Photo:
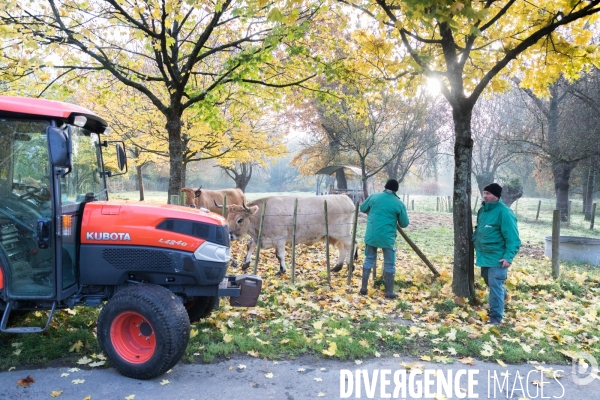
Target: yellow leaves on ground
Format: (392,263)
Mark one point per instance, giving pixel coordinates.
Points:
(56,393)
(331,349)
(76,347)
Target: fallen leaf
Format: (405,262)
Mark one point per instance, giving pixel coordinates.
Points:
(77,381)
(301,369)
(502,364)
(241,366)
(227,338)
(193,333)
(11,369)
(318,379)
(320,394)
(253,353)
(64,375)
(76,347)
(130,397)
(331,350)
(83,361)
(425,358)
(55,393)
(269,375)
(164,382)
(97,364)
(357,362)
(26,381)
(466,361)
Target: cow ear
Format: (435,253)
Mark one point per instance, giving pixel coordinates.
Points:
(253,209)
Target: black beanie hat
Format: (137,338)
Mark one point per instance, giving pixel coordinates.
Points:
(494,189)
(392,185)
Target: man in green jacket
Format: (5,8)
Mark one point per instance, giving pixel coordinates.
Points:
(496,241)
(384,210)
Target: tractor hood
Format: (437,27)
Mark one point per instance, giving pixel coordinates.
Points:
(155,225)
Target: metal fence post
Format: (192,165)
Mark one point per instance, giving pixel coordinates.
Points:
(224,210)
(174,199)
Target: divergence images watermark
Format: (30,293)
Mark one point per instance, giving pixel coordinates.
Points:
(461,383)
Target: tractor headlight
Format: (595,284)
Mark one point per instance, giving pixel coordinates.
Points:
(212,252)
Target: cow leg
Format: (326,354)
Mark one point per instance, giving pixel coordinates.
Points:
(341,254)
(280,254)
(251,247)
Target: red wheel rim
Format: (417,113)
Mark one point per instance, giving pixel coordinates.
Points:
(133,337)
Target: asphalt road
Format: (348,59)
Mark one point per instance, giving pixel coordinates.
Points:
(247,378)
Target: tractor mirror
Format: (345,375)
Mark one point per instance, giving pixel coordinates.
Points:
(60,147)
(121,157)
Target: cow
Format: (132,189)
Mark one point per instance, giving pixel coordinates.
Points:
(277,227)
(208,198)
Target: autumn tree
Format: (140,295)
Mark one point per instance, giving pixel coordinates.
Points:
(181,55)
(470,47)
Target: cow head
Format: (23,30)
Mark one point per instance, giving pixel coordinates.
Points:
(240,219)
(198,192)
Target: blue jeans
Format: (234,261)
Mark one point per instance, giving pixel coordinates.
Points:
(495,277)
(389,258)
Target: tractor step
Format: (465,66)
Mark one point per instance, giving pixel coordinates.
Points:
(23,329)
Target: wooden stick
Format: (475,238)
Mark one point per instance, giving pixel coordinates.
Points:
(224,210)
(174,199)
(418,251)
(352,248)
(294,241)
(327,244)
(537,215)
(262,219)
(593,216)
(555,243)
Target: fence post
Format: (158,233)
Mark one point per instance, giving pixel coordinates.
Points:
(327,244)
(182,199)
(262,219)
(517,208)
(413,204)
(437,203)
(569,212)
(294,242)
(449,206)
(555,243)
(224,210)
(352,246)
(538,211)
(174,199)
(593,216)
(407,200)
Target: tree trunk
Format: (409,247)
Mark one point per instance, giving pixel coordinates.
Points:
(176,174)
(140,181)
(562,174)
(588,195)
(463,271)
(183,174)
(243,178)
(483,180)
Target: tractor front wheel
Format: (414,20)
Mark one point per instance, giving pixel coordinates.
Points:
(143,330)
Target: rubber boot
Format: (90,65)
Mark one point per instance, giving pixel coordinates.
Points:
(388,278)
(365,281)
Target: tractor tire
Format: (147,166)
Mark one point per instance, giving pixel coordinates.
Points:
(200,307)
(143,330)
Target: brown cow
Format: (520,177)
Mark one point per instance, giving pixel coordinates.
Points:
(206,198)
(277,227)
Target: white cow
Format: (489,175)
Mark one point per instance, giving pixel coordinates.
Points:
(277,227)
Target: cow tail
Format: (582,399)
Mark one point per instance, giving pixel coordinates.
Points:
(355,251)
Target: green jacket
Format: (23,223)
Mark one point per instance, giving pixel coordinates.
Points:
(384,211)
(496,235)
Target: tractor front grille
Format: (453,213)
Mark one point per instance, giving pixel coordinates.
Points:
(138,259)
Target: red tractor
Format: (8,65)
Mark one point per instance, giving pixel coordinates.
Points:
(62,243)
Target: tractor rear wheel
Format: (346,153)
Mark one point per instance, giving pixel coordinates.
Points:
(200,307)
(143,330)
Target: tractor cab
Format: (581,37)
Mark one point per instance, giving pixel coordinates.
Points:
(50,165)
